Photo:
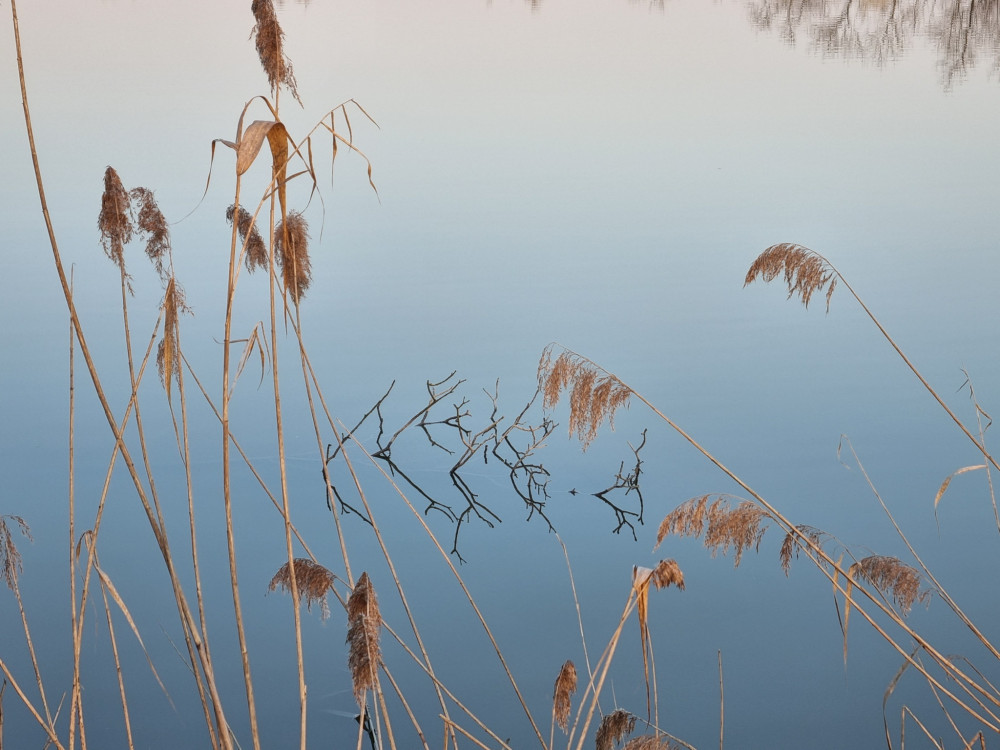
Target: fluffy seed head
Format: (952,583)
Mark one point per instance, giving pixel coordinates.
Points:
(291,244)
(364,627)
(564,689)
(114,222)
(805,272)
(312,580)
(613,728)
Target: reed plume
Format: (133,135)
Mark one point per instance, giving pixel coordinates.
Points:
(291,247)
(270,42)
(256,256)
(650,742)
(613,728)
(115,219)
(667,573)
(805,271)
(893,578)
(312,580)
(168,354)
(151,222)
(738,528)
(594,393)
(364,624)
(10,558)
(564,689)
(792,544)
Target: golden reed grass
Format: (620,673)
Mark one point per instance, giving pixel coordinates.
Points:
(114,222)
(270,42)
(893,578)
(595,395)
(738,528)
(291,248)
(805,272)
(562,695)
(256,256)
(150,221)
(312,580)
(364,628)
(613,728)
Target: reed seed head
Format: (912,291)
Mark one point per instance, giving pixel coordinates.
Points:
(270,42)
(805,271)
(364,627)
(614,727)
(151,222)
(893,578)
(650,742)
(594,393)
(10,558)
(739,528)
(792,544)
(256,254)
(562,695)
(291,244)
(668,573)
(115,219)
(312,580)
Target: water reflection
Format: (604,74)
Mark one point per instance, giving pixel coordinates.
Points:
(879,31)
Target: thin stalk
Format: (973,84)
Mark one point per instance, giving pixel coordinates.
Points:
(49,729)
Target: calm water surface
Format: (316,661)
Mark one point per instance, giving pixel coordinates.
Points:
(596,173)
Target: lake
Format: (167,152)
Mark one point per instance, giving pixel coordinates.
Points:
(600,174)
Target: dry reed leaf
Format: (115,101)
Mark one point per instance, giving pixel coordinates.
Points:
(594,393)
(562,695)
(114,222)
(792,544)
(613,728)
(151,222)
(364,624)
(947,481)
(269,40)
(10,558)
(739,528)
(805,271)
(312,580)
(893,578)
(256,255)
(291,248)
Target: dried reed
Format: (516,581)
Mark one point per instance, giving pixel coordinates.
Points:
(738,528)
(594,393)
(805,272)
(893,578)
(312,580)
(115,219)
(650,742)
(291,245)
(564,689)
(168,354)
(150,221)
(256,255)
(792,544)
(613,728)
(10,558)
(364,624)
(269,40)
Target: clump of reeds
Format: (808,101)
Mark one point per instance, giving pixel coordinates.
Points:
(805,272)
(893,578)
(594,393)
(10,558)
(312,580)
(270,42)
(115,219)
(256,255)
(291,246)
(364,628)
(613,728)
(564,689)
(739,528)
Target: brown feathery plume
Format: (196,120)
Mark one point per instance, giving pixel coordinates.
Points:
(650,742)
(666,573)
(256,256)
(893,578)
(594,393)
(291,247)
(739,527)
(364,624)
(312,580)
(792,544)
(10,558)
(805,271)
(564,689)
(269,40)
(168,354)
(613,728)
(151,222)
(115,219)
